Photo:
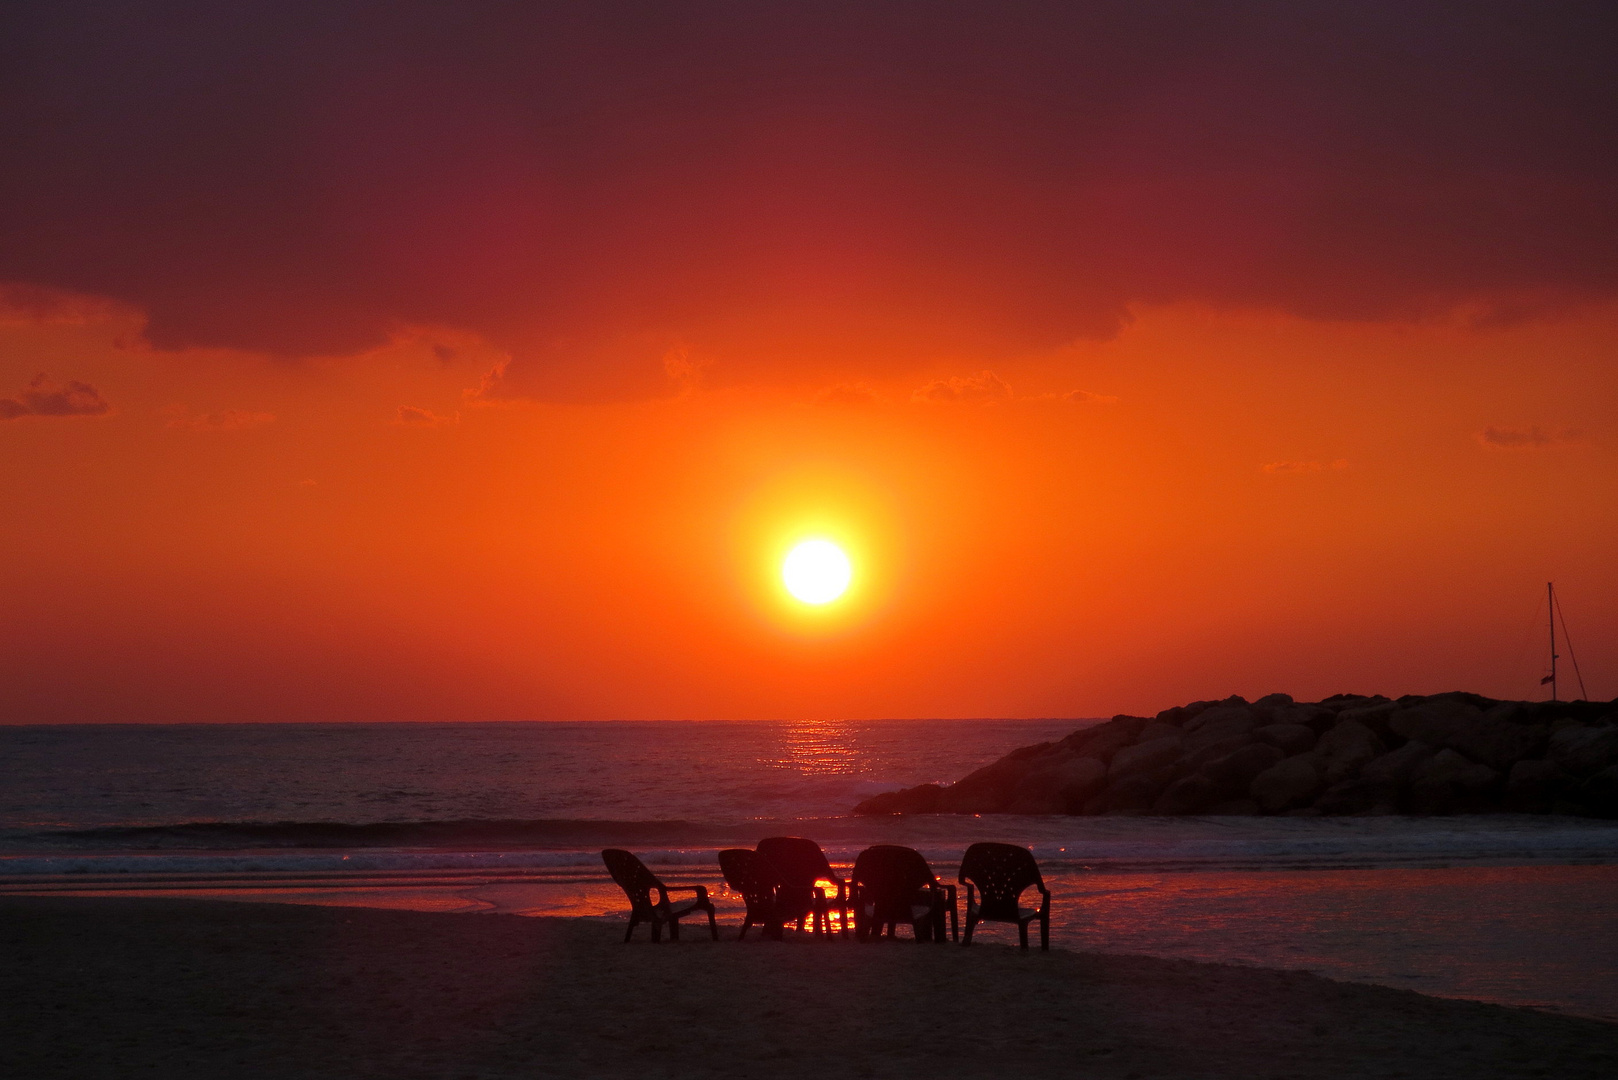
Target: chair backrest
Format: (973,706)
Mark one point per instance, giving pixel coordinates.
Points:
(747,872)
(889,877)
(632,877)
(1001,872)
(799,861)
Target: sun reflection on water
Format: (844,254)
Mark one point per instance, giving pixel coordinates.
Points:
(821,747)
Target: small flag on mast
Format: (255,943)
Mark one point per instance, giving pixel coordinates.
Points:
(1546,679)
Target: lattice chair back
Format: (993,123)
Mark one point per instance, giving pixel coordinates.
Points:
(632,877)
(1001,872)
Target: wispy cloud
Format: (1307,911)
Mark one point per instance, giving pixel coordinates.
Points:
(984,388)
(1292,467)
(987,388)
(412,416)
(1529,438)
(45,398)
(178,416)
(1085,397)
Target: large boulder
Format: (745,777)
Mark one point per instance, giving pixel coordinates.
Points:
(1583,749)
(1599,795)
(1289,738)
(1451,782)
(1104,740)
(1225,712)
(1235,772)
(1375,717)
(1179,715)
(1199,751)
(1057,787)
(1316,717)
(1229,727)
(1157,729)
(1187,795)
(1338,702)
(1398,767)
(1499,743)
(922,799)
(1137,792)
(1536,786)
(1144,756)
(1512,712)
(1291,783)
(1435,721)
(1347,746)
(988,790)
(1360,797)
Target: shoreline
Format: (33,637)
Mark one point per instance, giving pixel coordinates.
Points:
(208,989)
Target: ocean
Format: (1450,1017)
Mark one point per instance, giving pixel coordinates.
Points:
(1514,909)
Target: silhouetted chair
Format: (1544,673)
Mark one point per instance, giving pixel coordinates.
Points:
(638,882)
(1001,872)
(891,885)
(771,903)
(801,865)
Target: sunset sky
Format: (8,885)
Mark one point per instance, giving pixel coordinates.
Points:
(483,361)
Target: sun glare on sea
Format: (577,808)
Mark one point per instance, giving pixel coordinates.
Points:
(816,572)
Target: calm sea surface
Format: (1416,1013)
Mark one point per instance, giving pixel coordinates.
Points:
(510,817)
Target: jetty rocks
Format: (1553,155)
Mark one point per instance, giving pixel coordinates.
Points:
(1451,753)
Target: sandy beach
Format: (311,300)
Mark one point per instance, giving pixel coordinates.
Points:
(174,988)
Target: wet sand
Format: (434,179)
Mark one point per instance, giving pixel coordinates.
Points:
(176,988)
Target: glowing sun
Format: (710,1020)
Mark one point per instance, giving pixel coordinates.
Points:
(816,571)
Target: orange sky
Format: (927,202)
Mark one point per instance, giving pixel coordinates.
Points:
(369,361)
(242,538)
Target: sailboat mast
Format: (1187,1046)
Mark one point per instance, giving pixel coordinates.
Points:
(1550,601)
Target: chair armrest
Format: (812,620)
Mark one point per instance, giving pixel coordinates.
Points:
(700,890)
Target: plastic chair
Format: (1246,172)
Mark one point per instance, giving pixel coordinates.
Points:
(893,884)
(746,873)
(1001,872)
(801,865)
(638,882)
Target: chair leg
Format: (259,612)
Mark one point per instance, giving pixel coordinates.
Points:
(713,927)
(971,924)
(657,930)
(631,931)
(1045,933)
(1022,935)
(674,929)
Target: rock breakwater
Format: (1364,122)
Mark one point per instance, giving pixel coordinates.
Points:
(1348,754)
